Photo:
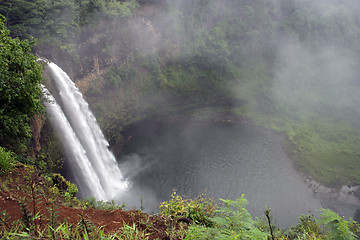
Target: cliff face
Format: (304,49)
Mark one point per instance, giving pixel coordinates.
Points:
(36,125)
(95,76)
(113,45)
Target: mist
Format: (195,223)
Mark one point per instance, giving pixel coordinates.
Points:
(306,81)
(295,59)
(310,65)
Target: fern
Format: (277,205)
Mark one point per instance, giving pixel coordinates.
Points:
(233,222)
(235,215)
(27,217)
(337,227)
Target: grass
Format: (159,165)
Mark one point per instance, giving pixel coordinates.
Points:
(7,161)
(323,143)
(323,147)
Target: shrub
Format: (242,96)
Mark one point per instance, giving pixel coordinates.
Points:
(7,160)
(336,226)
(307,225)
(232,222)
(199,210)
(60,184)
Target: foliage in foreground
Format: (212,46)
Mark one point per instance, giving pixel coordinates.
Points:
(6,160)
(233,221)
(199,210)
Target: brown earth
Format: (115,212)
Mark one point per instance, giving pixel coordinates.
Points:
(25,188)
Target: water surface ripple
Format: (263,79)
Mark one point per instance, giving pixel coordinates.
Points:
(226,160)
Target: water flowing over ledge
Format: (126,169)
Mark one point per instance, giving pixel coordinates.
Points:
(92,165)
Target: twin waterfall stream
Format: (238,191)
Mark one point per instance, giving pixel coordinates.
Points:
(93,166)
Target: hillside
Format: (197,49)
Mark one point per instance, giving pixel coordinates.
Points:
(31,203)
(37,206)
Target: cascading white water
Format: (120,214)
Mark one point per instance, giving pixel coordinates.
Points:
(93,165)
(73,148)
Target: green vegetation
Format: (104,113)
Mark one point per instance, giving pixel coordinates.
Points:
(20,77)
(58,20)
(324,147)
(232,222)
(198,210)
(44,197)
(200,219)
(82,230)
(7,160)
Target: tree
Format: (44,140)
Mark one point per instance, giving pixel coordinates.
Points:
(20,93)
(23,16)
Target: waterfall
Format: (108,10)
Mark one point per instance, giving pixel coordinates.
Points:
(93,166)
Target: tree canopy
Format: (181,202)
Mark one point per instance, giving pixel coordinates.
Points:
(20,94)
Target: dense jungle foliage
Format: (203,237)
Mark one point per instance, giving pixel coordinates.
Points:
(20,77)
